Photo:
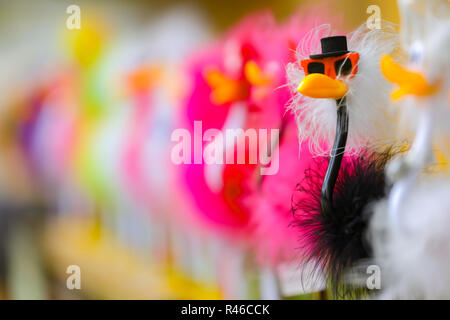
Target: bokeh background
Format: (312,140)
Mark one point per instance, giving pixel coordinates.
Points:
(85,171)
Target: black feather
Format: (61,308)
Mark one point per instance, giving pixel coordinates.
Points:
(335,242)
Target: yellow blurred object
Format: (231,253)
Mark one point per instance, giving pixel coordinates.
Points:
(86,44)
(112,271)
(410,82)
(83,162)
(442,161)
(255,75)
(317,85)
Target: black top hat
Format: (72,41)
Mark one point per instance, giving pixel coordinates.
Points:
(331,47)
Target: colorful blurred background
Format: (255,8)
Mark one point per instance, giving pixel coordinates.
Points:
(91,205)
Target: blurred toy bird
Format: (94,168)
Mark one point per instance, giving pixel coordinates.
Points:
(409,230)
(423,86)
(238,83)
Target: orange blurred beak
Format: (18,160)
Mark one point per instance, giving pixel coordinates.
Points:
(409,82)
(225,90)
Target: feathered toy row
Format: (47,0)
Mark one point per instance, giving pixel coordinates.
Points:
(360,178)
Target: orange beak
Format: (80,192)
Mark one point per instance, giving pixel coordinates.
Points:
(317,85)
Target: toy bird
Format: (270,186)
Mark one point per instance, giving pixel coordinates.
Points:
(333,203)
(423,87)
(409,229)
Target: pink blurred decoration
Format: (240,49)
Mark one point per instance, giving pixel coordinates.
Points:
(248,206)
(275,239)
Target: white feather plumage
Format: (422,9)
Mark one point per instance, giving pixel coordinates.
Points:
(414,255)
(370,117)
